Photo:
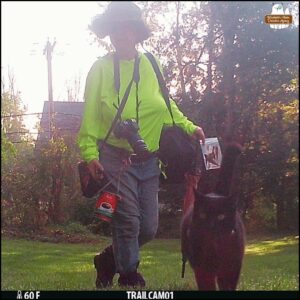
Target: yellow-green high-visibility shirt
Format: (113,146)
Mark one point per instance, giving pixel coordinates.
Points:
(101,103)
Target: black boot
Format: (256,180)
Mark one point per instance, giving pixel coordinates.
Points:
(106,268)
(131,280)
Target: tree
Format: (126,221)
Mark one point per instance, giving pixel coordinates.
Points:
(12,110)
(56,161)
(260,75)
(73,88)
(14,147)
(245,68)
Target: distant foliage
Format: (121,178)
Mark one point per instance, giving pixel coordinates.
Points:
(229,72)
(238,78)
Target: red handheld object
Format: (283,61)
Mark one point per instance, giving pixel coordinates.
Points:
(106,206)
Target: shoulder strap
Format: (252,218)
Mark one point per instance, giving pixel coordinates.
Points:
(116,62)
(136,71)
(161,81)
(124,100)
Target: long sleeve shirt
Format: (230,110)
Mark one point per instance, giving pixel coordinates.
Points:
(101,103)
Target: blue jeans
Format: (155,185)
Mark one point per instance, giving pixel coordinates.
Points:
(135,220)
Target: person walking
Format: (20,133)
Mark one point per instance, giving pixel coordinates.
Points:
(134,174)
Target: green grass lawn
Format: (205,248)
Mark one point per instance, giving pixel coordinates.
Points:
(270,264)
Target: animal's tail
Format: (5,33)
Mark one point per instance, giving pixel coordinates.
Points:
(232,152)
(189,196)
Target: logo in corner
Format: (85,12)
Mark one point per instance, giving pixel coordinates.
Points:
(279,18)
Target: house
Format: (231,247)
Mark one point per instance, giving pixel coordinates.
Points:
(66,119)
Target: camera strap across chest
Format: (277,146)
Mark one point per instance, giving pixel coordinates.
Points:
(135,78)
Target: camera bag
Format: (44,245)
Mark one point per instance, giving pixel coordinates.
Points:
(178,151)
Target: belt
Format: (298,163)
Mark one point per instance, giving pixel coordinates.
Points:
(133,157)
(137,159)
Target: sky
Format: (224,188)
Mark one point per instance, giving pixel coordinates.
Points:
(25,28)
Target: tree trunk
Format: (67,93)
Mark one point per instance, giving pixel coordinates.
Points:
(229,89)
(56,192)
(228,74)
(280,158)
(210,45)
(280,214)
(179,54)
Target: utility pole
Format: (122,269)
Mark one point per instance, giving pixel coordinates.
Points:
(55,203)
(48,50)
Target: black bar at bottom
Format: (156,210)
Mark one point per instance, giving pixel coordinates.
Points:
(148,295)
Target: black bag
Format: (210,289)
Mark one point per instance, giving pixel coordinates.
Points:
(178,151)
(89,186)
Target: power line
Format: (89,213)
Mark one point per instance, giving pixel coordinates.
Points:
(19,132)
(43,113)
(40,132)
(40,139)
(60,113)
(19,142)
(20,115)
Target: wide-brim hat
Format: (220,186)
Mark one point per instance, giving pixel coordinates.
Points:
(116,13)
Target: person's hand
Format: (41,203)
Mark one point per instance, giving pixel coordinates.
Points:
(199,134)
(96,169)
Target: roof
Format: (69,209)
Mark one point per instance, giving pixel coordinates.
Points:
(66,119)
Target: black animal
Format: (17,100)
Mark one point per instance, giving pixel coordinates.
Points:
(212,232)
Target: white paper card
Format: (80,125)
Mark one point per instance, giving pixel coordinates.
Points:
(212,154)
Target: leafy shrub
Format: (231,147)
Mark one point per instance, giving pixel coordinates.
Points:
(261,216)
